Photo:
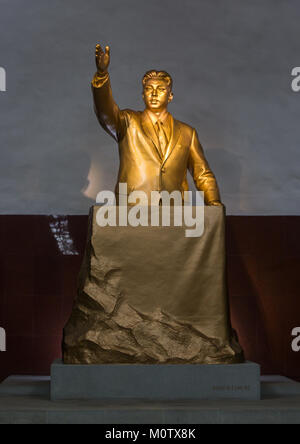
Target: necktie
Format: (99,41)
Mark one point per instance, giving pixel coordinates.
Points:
(163,141)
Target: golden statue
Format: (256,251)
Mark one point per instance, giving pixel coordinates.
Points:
(155,149)
(152,295)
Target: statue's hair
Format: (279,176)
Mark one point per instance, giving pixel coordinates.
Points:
(161,75)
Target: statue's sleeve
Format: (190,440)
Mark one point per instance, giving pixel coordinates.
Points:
(110,117)
(203,176)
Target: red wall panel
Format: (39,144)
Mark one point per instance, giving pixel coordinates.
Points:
(40,258)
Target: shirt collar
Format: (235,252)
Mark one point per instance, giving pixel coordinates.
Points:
(163,117)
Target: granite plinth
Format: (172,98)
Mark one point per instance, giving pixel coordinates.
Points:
(25,400)
(155,382)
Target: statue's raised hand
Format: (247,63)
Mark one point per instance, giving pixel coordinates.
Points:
(102,59)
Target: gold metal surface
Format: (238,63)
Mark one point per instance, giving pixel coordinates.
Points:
(151,295)
(152,156)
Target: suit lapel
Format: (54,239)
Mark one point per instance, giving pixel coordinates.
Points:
(175,133)
(149,131)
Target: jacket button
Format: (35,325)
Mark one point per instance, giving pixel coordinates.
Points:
(163,170)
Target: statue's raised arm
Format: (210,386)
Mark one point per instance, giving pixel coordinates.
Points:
(107,111)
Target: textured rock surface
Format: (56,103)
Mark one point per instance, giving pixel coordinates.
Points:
(107,327)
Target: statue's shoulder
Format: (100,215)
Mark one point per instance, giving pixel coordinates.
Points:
(131,114)
(188,129)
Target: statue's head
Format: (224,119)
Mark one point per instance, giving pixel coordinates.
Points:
(157,90)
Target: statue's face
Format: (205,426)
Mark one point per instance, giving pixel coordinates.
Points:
(157,94)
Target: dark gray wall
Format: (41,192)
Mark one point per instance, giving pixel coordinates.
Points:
(231,61)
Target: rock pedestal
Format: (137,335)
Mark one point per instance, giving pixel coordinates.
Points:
(151,295)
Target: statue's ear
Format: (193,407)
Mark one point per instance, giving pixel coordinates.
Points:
(171,97)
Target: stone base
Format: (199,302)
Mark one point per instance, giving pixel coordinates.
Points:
(155,382)
(25,400)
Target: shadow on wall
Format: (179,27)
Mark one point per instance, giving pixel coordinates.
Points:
(71,185)
(93,181)
(228,170)
(90,184)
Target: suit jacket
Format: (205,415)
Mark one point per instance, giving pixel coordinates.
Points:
(141,165)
